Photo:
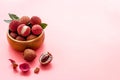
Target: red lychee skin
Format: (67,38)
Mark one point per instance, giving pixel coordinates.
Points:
(14,25)
(37,29)
(23,30)
(13,35)
(20,38)
(24,20)
(35,20)
(30,37)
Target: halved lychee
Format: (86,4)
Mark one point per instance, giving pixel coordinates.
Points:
(45,58)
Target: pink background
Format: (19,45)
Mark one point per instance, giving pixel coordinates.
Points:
(82,35)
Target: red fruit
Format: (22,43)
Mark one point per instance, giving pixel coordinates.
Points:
(13,25)
(35,20)
(20,38)
(23,30)
(37,29)
(24,20)
(29,55)
(13,35)
(45,58)
(31,37)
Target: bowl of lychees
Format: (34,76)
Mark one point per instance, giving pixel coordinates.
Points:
(25,32)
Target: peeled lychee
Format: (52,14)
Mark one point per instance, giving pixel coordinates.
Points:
(31,37)
(13,35)
(35,20)
(23,30)
(20,38)
(14,25)
(24,20)
(37,29)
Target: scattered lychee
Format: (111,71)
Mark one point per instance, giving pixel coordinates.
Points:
(29,55)
(45,58)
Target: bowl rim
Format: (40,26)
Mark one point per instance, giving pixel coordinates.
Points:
(27,41)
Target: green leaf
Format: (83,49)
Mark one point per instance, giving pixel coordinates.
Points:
(43,25)
(13,16)
(7,21)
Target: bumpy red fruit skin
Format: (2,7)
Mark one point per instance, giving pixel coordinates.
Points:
(29,55)
(37,29)
(13,35)
(23,30)
(14,25)
(30,37)
(24,20)
(35,20)
(20,38)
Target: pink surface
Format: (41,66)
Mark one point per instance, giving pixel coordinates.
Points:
(82,35)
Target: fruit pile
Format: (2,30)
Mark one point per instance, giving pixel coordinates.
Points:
(25,28)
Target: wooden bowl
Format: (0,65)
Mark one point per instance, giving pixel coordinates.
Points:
(22,45)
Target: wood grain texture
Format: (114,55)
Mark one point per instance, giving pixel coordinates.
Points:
(22,45)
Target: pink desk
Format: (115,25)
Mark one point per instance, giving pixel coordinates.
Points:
(82,35)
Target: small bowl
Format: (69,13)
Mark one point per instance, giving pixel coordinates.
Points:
(22,45)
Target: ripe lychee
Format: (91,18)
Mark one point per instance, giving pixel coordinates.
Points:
(23,30)
(35,20)
(13,35)
(14,25)
(29,55)
(24,20)
(20,38)
(37,29)
(30,37)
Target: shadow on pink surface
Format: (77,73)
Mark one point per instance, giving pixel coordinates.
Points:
(25,73)
(46,67)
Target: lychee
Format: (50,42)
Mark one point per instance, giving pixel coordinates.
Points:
(20,38)
(35,20)
(13,35)
(31,37)
(37,29)
(24,20)
(23,30)
(29,55)
(14,25)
